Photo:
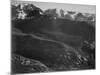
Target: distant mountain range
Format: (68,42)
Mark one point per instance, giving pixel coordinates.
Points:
(22,10)
(55,39)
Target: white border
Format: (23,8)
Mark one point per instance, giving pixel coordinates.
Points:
(5,37)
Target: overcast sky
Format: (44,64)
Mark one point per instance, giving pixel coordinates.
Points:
(66,7)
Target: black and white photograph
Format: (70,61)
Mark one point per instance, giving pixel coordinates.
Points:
(52,37)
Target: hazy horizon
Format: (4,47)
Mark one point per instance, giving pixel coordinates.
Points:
(65,6)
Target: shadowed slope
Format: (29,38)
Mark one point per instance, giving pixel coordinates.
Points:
(71,31)
(52,53)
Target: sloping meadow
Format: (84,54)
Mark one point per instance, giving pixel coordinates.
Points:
(56,44)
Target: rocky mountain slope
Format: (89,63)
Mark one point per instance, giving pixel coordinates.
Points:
(56,44)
